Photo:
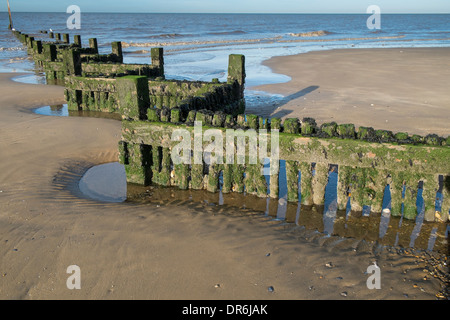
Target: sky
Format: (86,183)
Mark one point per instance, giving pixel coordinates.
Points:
(231,6)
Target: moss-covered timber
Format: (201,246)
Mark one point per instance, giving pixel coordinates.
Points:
(345,152)
(319,182)
(306,191)
(133,96)
(364,168)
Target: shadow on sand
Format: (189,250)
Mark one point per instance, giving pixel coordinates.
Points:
(289,98)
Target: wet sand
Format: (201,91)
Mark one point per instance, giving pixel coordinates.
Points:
(403,90)
(164,251)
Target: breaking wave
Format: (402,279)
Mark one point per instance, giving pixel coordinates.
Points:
(170,35)
(319,33)
(206,42)
(11,49)
(227,33)
(345,39)
(194,45)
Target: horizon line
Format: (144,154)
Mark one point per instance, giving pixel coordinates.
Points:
(287,13)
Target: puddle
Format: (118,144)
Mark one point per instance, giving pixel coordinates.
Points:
(107,182)
(31,79)
(62,110)
(57,111)
(37,78)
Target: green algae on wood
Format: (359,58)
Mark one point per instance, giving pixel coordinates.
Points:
(319,182)
(291,125)
(292,178)
(133,96)
(344,186)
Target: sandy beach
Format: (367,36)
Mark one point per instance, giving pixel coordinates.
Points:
(192,250)
(398,89)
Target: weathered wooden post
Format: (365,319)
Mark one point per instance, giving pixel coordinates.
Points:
(65,38)
(306,190)
(77,40)
(93,45)
(236,71)
(396,186)
(37,47)
(238,177)
(292,180)
(37,53)
(363,188)
(292,125)
(213,177)
(30,45)
(252,121)
(250,179)
(445,207)
(378,180)
(49,51)
(308,126)
(133,97)
(164,174)
(260,182)
(411,188)
(197,176)
(430,182)
(137,159)
(29,42)
(319,182)
(116,47)
(23,38)
(182,174)
(72,62)
(157,55)
(49,55)
(10,27)
(274,178)
(343,187)
(227,178)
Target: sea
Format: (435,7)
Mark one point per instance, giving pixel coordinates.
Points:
(196,46)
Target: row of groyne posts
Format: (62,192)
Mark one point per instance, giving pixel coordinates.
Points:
(155,109)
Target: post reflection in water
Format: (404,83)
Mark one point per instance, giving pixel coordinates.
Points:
(327,219)
(330,210)
(386,212)
(62,110)
(420,216)
(282,193)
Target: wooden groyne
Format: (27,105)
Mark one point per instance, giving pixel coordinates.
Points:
(153,109)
